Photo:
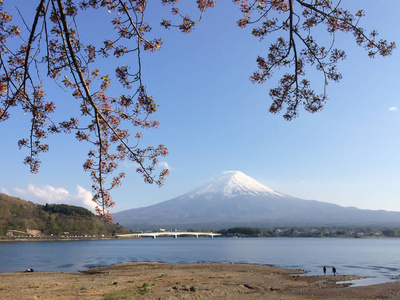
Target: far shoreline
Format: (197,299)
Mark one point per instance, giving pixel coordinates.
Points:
(38,239)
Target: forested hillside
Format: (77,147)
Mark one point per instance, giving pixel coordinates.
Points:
(51,219)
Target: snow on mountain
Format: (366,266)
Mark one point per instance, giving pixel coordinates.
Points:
(234,183)
(235,199)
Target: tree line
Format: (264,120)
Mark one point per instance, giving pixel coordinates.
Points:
(342,231)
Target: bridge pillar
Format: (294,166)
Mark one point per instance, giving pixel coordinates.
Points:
(175,236)
(154,236)
(197,236)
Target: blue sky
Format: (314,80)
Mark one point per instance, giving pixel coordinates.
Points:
(213,119)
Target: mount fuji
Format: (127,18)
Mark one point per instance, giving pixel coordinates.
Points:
(235,199)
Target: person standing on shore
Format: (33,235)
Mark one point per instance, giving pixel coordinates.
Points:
(324,270)
(334,271)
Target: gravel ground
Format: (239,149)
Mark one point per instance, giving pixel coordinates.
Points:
(187,281)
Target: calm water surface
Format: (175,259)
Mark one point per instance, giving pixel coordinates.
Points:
(376,259)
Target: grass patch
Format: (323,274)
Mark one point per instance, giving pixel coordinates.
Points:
(144,289)
(119,294)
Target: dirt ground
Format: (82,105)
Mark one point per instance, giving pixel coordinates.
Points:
(191,281)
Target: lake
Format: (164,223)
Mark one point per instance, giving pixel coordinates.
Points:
(376,259)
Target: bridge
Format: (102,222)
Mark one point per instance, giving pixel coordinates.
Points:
(167,233)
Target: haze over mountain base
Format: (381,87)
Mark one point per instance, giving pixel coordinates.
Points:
(235,199)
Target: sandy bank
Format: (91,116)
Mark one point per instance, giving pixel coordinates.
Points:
(190,281)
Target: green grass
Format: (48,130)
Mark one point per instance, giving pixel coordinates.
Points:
(119,294)
(144,289)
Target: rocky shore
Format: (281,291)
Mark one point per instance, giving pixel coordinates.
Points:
(187,281)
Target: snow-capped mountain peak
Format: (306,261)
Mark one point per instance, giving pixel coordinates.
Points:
(234,199)
(234,183)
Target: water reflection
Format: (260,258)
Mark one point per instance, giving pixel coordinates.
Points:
(376,259)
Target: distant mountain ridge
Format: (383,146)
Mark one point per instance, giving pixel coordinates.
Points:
(24,216)
(235,199)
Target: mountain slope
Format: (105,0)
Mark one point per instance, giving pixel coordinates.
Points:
(21,215)
(235,199)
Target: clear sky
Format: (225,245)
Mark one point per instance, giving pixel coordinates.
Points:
(213,119)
